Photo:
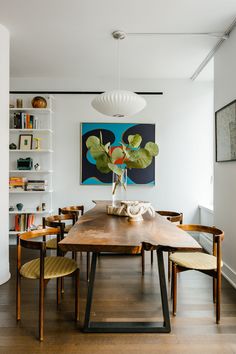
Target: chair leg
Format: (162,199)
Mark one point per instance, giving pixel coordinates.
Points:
(143,261)
(59,280)
(18,297)
(214,289)
(88,265)
(218,297)
(62,285)
(174,285)
(41,309)
(169,267)
(77,283)
(151,257)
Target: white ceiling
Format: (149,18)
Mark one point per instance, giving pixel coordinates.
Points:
(72,38)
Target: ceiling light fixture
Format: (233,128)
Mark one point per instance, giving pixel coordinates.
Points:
(118,103)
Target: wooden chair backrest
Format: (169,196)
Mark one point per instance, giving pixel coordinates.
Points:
(25,240)
(57,220)
(172,216)
(77,210)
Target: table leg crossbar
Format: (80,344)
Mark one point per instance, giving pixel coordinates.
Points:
(129,327)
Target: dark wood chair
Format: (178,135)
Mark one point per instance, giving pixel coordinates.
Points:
(59,221)
(175,217)
(43,269)
(77,211)
(200,261)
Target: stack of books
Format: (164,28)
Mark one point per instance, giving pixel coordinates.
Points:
(36,185)
(17,183)
(23,121)
(24,222)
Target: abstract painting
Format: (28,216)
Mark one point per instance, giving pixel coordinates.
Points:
(115,133)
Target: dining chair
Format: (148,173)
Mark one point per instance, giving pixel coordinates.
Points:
(174,217)
(43,269)
(58,221)
(77,210)
(206,263)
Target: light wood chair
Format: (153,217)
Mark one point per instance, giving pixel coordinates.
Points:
(200,261)
(175,217)
(43,269)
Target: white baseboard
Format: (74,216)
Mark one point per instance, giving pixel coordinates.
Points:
(229,274)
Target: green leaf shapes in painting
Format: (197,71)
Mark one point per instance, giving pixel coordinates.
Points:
(135,140)
(152,148)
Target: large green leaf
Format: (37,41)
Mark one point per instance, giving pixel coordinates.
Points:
(135,140)
(117,153)
(102,164)
(92,141)
(139,159)
(97,151)
(152,148)
(115,169)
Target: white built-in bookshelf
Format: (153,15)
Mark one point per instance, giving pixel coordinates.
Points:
(35,187)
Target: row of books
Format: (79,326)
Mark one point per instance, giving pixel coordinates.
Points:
(23,121)
(36,185)
(24,222)
(24,184)
(17,183)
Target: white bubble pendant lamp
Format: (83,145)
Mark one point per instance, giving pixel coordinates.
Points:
(118,103)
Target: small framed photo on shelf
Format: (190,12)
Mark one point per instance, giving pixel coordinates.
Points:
(25,141)
(225,129)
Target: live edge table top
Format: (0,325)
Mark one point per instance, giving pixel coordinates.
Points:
(96,231)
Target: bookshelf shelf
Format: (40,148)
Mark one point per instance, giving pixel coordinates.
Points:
(30,211)
(31,130)
(30,192)
(31,171)
(32,150)
(32,110)
(39,124)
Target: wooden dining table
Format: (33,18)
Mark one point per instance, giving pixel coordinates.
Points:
(96,232)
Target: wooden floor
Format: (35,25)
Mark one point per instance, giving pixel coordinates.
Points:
(120,293)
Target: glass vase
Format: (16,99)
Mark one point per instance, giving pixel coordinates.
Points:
(119,187)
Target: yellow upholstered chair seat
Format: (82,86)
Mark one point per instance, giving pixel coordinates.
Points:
(67,228)
(195,260)
(52,244)
(54,267)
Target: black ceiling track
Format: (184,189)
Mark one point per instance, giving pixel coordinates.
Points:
(78,92)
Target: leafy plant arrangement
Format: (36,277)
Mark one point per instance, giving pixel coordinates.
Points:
(131,155)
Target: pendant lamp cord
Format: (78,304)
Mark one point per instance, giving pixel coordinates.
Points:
(118,63)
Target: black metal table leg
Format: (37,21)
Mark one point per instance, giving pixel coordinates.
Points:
(128,327)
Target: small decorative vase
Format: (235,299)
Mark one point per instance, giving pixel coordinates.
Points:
(119,187)
(19,206)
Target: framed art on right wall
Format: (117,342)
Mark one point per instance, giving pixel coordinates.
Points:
(225,133)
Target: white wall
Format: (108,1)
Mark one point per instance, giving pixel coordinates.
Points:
(4,148)
(183,117)
(225,172)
